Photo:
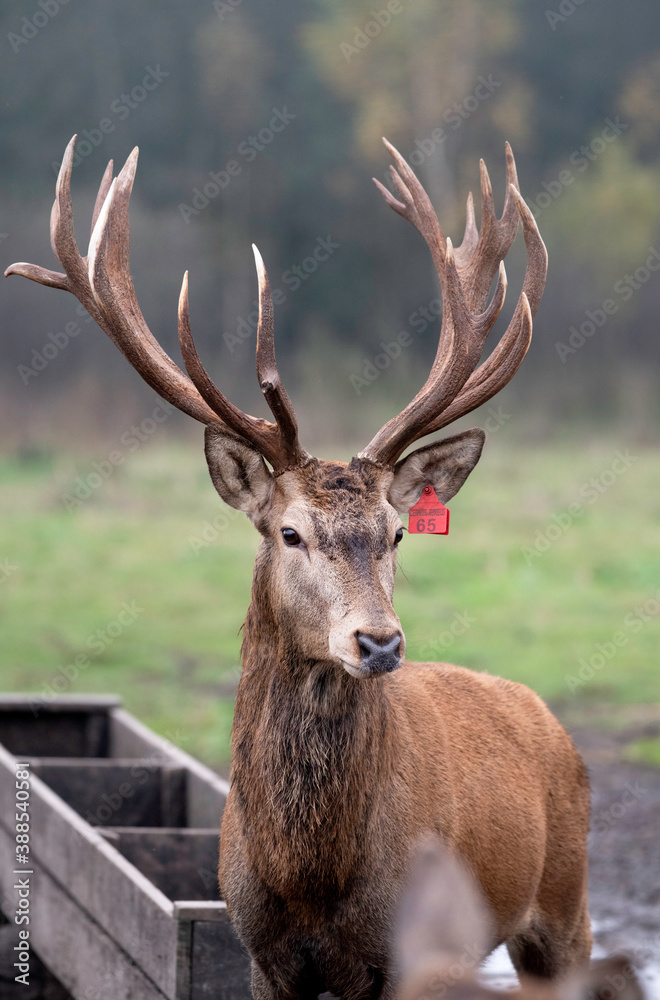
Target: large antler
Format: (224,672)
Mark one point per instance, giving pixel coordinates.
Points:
(102,282)
(453,387)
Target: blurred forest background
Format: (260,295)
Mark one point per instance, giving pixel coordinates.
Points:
(447,82)
(261,121)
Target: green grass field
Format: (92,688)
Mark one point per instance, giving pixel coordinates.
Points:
(486,596)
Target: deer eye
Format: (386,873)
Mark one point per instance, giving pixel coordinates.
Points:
(290,536)
(398,536)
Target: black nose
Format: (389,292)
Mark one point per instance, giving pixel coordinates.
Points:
(379,655)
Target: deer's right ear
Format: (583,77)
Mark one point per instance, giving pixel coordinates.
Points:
(238,471)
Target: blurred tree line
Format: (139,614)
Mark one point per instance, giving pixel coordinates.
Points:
(262,122)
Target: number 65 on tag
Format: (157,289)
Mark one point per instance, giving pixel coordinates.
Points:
(428,516)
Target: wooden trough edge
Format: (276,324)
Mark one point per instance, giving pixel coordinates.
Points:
(96,876)
(158,948)
(74,947)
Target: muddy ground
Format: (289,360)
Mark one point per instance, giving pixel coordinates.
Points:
(624,846)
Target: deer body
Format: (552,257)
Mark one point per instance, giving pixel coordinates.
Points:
(339,763)
(334,779)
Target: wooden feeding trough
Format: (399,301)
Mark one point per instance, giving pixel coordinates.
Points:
(124,901)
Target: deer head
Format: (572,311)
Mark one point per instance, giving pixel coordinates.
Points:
(330,530)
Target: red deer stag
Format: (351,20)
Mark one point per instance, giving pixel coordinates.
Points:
(338,761)
(443,925)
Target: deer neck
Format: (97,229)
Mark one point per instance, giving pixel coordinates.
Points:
(309,744)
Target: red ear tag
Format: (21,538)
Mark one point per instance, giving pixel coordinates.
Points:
(428,516)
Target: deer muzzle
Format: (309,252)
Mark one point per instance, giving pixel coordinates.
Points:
(369,652)
(379,655)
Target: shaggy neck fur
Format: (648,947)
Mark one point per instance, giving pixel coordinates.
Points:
(309,748)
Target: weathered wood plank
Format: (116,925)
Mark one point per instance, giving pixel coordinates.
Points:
(21,701)
(73,726)
(181,950)
(181,863)
(97,734)
(206,792)
(173,780)
(184,960)
(72,944)
(220,966)
(105,792)
(123,900)
(54,734)
(191,909)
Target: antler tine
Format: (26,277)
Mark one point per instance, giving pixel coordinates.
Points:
(62,237)
(500,367)
(460,346)
(268,373)
(537,255)
(262,433)
(110,276)
(471,234)
(62,241)
(481,251)
(415,206)
(277,442)
(42,275)
(103,284)
(104,187)
(121,318)
(453,386)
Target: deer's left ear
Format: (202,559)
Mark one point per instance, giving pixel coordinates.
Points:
(444,465)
